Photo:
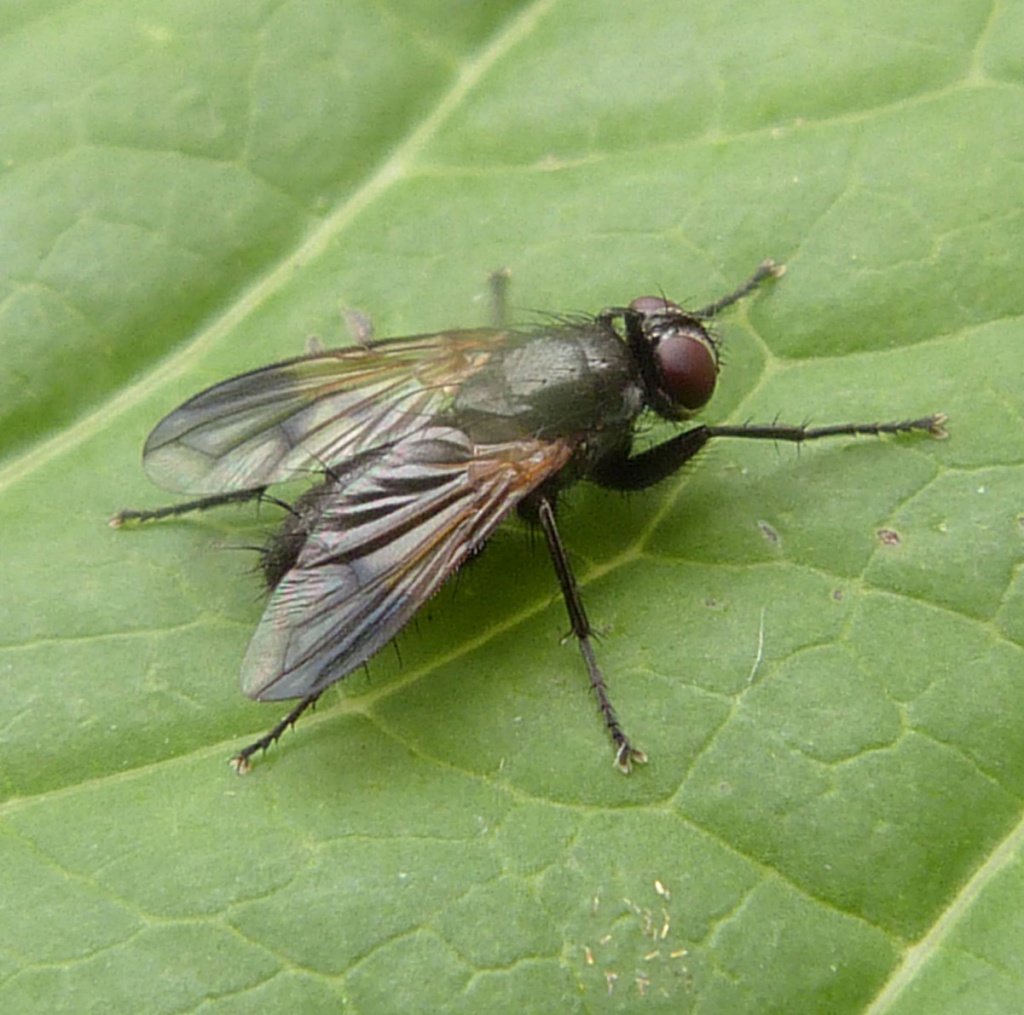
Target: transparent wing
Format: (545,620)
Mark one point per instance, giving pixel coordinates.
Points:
(382,547)
(284,420)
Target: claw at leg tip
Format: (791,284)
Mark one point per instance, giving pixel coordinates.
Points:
(241,764)
(626,755)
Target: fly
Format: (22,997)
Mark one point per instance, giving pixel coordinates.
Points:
(424,445)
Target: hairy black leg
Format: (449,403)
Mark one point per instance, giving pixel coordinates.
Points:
(625,752)
(766,269)
(241,763)
(782,432)
(171,510)
(657,463)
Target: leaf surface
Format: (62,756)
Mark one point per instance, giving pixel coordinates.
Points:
(821,651)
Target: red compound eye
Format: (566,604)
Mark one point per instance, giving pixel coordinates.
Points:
(648,305)
(689,367)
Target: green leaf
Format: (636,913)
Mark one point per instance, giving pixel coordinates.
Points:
(820,651)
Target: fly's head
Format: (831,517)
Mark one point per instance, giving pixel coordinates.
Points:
(675,354)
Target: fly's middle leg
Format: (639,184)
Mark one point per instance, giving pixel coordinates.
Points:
(625,753)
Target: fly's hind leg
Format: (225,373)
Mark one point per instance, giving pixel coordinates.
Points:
(241,762)
(625,753)
(173,510)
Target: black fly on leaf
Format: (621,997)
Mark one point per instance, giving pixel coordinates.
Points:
(425,444)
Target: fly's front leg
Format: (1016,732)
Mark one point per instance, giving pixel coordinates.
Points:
(172,510)
(622,472)
(933,425)
(625,752)
(766,269)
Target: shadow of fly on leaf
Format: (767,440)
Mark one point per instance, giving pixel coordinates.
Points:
(423,446)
